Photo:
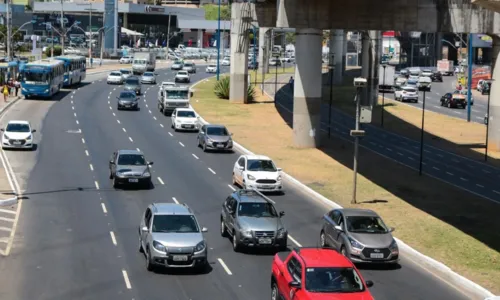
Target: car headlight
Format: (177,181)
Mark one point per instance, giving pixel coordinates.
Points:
(250,177)
(279,178)
(281,233)
(119,173)
(159,246)
(394,247)
(29,137)
(47,90)
(355,244)
(209,141)
(5,136)
(246,233)
(146,174)
(200,246)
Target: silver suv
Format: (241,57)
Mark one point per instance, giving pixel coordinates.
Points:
(169,236)
(251,220)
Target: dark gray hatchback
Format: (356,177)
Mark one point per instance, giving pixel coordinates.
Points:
(133,84)
(127,100)
(129,167)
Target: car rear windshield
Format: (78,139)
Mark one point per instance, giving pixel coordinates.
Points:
(16,127)
(182,73)
(261,165)
(186,114)
(148,74)
(366,224)
(175,223)
(257,210)
(132,81)
(333,280)
(115,74)
(218,131)
(131,160)
(188,65)
(125,71)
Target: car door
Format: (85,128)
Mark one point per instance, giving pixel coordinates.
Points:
(174,114)
(338,218)
(145,222)
(112,164)
(329,227)
(231,216)
(293,272)
(202,134)
(240,169)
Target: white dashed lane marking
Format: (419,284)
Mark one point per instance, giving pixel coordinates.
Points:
(113,238)
(127,281)
(195,156)
(212,171)
(231,187)
(181,144)
(224,266)
(175,200)
(104,210)
(131,139)
(161,181)
(96,185)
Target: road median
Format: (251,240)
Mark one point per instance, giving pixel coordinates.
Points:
(431,217)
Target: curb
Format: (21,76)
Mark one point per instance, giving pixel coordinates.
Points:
(13,200)
(446,274)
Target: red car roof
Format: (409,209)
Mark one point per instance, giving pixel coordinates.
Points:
(321,257)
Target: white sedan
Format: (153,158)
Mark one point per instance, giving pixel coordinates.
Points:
(257,172)
(211,69)
(18,135)
(184,119)
(115,77)
(182,76)
(126,60)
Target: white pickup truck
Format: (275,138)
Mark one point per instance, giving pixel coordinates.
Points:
(172,97)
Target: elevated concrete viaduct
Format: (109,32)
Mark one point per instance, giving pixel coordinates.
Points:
(309,17)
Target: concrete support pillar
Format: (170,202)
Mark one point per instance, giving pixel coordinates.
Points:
(307,88)
(264,45)
(125,20)
(344,53)
(494,116)
(337,50)
(241,15)
(371,52)
(439,46)
(199,39)
(365,64)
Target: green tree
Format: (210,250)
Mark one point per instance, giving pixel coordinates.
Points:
(212,12)
(290,37)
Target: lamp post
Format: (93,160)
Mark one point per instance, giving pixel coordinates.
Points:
(331,68)
(422,138)
(487,123)
(383,97)
(359,83)
(90,28)
(218,42)
(469,77)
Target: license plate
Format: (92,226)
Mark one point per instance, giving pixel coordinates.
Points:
(133,180)
(266,187)
(180,258)
(376,255)
(220,146)
(16,143)
(265,241)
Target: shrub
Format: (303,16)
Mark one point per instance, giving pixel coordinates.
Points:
(57,51)
(221,89)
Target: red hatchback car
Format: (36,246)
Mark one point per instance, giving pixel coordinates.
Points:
(316,273)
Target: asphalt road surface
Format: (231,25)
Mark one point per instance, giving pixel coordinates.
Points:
(77,236)
(438,89)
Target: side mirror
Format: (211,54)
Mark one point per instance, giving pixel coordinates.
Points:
(191,94)
(34,130)
(241,168)
(232,134)
(204,229)
(280,169)
(117,98)
(282,213)
(144,229)
(111,162)
(392,229)
(369,283)
(294,284)
(338,228)
(150,163)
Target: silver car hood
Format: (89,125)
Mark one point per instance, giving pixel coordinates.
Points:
(219,138)
(131,169)
(260,224)
(373,240)
(180,239)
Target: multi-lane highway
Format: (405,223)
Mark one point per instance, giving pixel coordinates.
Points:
(438,89)
(77,236)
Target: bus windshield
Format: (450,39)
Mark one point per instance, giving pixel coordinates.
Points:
(35,78)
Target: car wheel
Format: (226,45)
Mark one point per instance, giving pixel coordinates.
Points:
(149,264)
(110,175)
(223,229)
(449,105)
(234,181)
(204,147)
(236,245)
(141,250)
(115,183)
(274,292)
(322,239)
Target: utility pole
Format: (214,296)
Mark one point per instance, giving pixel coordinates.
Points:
(90,30)
(168,34)
(63,32)
(102,35)
(9,31)
(356,146)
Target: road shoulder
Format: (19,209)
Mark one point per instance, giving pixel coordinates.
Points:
(433,218)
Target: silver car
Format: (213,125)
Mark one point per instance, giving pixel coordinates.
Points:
(215,137)
(125,73)
(127,100)
(133,84)
(169,236)
(148,77)
(360,235)
(189,67)
(251,220)
(129,167)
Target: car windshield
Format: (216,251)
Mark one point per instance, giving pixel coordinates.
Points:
(131,160)
(182,73)
(178,62)
(175,223)
(17,127)
(148,74)
(333,280)
(186,114)
(412,82)
(188,65)
(177,94)
(125,95)
(218,131)
(132,81)
(366,224)
(265,165)
(257,210)
(212,66)
(115,74)
(409,90)
(139,62)
(125,71)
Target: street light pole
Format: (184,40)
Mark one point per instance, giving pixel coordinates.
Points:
(62,30)
(487,124)
(330,69)
(218,42)
(383,98)
(469,75)
(422,138)
(9,29)
(356,146)
(168,33)
(90,30)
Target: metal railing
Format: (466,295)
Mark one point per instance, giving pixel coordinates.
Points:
(170,2)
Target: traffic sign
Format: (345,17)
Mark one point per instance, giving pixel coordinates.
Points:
(358,133)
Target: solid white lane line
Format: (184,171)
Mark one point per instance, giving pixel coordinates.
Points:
(131,139)
(223,264)
(118,121)
(83,140)
(87,153)
(104,210)
(195,156)
(451,174)
(294,241)
(96,185)
(124,130)
(7,211)
(154,118)
(77,122)
(113,239)
(436,168)
(170,134)
(175,200)
(127,281)
(481,186)
(181,144)
(231,187)
(161,125)
(161,181)
(212,171)
(91,167)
